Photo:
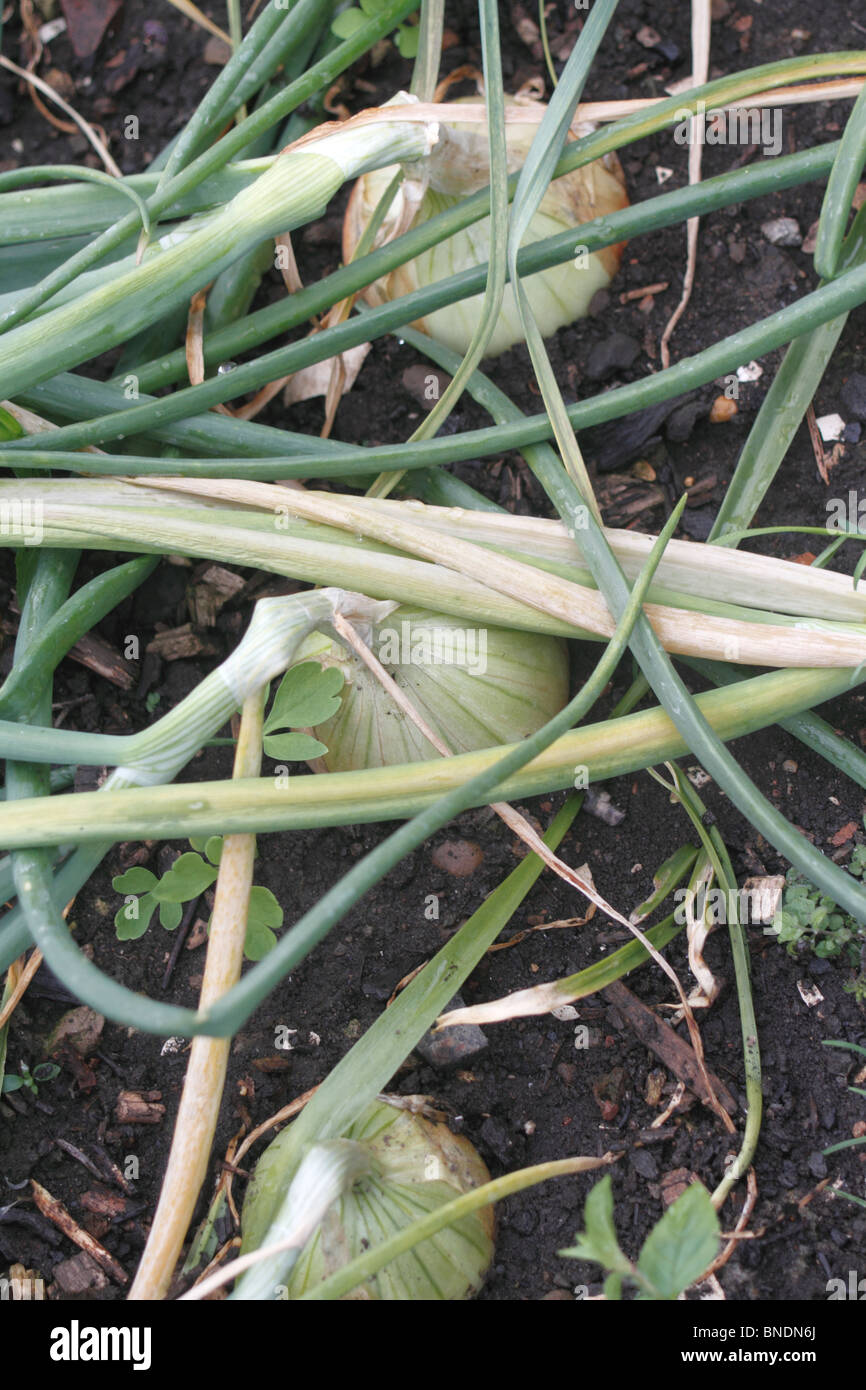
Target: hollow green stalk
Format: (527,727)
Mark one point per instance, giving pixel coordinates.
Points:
(296,188)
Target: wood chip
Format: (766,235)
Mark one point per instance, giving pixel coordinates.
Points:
(179,642)
(56,1213)
(139,1108)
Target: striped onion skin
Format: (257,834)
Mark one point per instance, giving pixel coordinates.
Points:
(414,1166)
(459,166)
(476,686)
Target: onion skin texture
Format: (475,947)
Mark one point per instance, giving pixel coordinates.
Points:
(523,684)
(417,1165)
(458,167)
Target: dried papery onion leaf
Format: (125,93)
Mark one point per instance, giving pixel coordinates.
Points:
(407,1166)
(476,686)
(457,167)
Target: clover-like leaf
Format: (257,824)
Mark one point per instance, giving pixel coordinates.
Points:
(188,876)
(133,919)
(264,914)
(307,696)
(170,915)
(407,40)
(135,880)
(347,23)
(293,748)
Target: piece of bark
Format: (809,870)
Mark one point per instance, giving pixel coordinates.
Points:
(661,1039)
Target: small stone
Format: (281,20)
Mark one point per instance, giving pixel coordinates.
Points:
(851,433)
(460,858)
(648,37)
(599,804)
(853,395)
(782,231)
(789,765)
(723,409)
(453,1046)
(643,1163)
(614,353)
(830,427)
(817,1165)
(496,1138)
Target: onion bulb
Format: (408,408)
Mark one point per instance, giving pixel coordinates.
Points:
(475,686)
(459,166)
(406,1167)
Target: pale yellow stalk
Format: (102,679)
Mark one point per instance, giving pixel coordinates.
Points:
(205,1076)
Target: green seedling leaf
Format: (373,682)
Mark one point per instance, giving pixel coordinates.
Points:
(45,1071)
(264,914)
(307,696)
(598,1242)
(133,919)
(13,1083)
(170,915)
(680,1246)
(407,41)
(211,846)
(613,1288)
(135,880)
(188,876)
(347,24)
(293,748)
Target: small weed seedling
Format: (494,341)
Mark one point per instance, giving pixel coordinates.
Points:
(307,695)
(674,1255)
(45,1071)
(810,921)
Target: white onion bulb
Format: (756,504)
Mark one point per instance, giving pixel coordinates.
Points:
(475,686)
(457,167)
(410,1166)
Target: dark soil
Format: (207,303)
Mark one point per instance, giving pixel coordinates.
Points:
(530,1096)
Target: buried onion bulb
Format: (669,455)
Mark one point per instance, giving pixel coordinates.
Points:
(459,166)
(475,686)
(401,1167)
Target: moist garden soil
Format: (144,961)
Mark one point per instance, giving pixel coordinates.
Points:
(530,1095)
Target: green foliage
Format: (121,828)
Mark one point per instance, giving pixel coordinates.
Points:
(348,22)
(45,1071)
(308,695)
(186,880)
(808,921)
(675,1253)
